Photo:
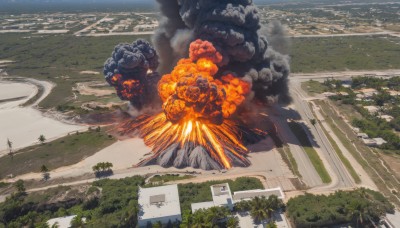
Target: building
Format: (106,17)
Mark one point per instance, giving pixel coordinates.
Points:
(221,195)
(159,204)
(250,194)
(362,135)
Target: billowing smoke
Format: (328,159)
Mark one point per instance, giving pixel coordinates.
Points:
(132,71)
(233,27)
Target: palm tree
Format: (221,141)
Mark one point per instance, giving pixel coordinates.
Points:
(42,139)
(259,209)
(232,222)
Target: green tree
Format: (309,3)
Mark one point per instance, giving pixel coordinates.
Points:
(260,209)
(45,172)
(20,186)
(232,222)
(77,222)
(42,139)
(313,121)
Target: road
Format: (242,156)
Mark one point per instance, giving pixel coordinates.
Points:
(305,167)
(347,34)
(339,174)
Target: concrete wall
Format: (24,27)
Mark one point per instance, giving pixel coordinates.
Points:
(163,220)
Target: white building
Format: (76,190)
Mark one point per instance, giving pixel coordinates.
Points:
(159,204)
(221,195)
(250,194)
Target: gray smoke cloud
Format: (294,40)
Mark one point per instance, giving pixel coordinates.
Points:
(233,26)
(131,70)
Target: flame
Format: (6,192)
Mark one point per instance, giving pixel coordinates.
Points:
(160,133)
(191,90)
(197,104)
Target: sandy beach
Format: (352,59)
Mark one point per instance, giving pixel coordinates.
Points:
(23,125)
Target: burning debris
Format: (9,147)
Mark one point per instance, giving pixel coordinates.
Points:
(228,62)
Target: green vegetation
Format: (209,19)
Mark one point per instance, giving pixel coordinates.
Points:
(261,208)
(212,217)
(201,192)
(103,169)
(114,206)
(368,159)
(344,53)
(65,151)
(169,177)
(4,184)
(106,203)
(301,135)
(358,207)
(314,87)
(59,58)
(288,158)
(371,123)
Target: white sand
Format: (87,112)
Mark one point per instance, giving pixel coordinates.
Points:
(23,125)
(13,90)
(122,154)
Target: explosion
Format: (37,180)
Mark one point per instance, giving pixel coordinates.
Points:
(227,62)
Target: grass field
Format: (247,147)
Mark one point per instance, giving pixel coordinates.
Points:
(301,135)
(313,87)
(344,53)
(59,58)
(169,177)
(61,152)
(368,159)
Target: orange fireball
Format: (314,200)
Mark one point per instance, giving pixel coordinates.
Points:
(191,91)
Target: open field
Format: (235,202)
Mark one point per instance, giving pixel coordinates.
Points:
(61,152)
(59,59)
(311,152)
(368,158)
(344,53)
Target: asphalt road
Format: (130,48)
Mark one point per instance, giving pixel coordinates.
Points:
(340,176)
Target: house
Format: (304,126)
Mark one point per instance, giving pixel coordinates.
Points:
(159,204)
(362,135)
(221,195)
(369,142)
(343,93)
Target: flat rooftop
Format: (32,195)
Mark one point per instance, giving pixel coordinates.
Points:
(158,202)
(221,194)
(245,195)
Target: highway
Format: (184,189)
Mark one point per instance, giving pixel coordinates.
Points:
(339,174)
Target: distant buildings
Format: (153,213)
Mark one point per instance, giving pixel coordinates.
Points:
(159,204)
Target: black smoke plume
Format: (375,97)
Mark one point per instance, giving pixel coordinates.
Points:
(233,26)
(132,71)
